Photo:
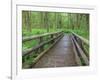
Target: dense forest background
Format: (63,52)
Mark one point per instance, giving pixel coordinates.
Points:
(41,22)
(35,23)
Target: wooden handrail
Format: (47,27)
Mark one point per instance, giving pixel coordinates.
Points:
(40,45)
(80,52)
(81,38)
(24,39)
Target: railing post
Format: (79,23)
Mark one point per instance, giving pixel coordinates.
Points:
(80,43)
(52,35)
(78,40)
(40,41)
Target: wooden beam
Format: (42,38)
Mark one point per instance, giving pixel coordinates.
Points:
(24,39)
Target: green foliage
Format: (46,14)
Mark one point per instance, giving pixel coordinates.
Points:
(33,32)
(28,60)
(37,32)
(80,32)
(66,30)
(29,44)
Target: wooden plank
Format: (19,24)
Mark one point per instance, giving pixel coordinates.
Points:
(41,54)
(57,56)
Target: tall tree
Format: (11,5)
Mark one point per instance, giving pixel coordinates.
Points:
(46,21)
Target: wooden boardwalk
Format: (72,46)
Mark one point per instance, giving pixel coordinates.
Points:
(61,55)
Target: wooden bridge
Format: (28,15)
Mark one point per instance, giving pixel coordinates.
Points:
(64,50)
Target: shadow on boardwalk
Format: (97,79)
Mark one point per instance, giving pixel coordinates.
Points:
(61,55)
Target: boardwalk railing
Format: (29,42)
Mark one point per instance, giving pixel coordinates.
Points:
(81,49)
(44,39)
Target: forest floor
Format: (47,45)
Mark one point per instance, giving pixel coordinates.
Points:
(61,55)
